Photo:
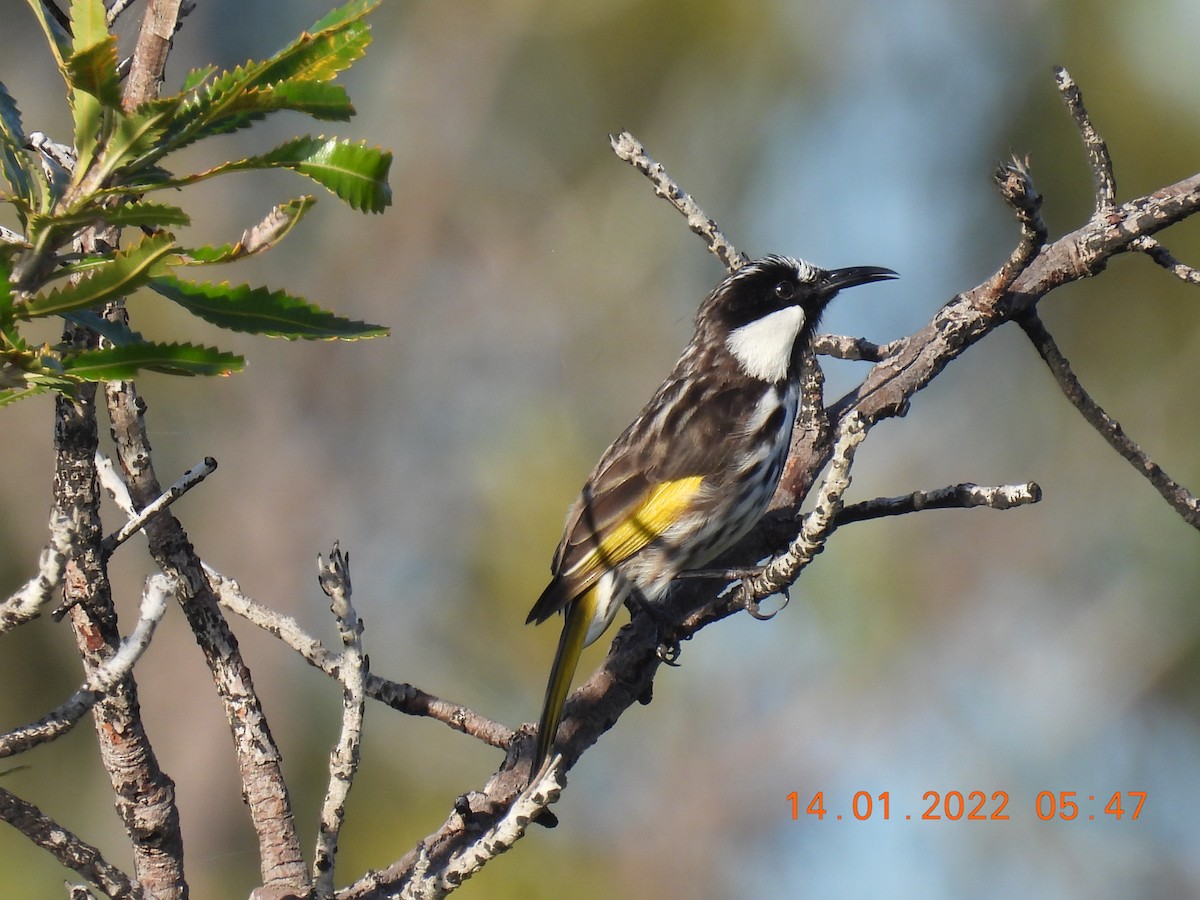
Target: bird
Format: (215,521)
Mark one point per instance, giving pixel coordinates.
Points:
(696,469)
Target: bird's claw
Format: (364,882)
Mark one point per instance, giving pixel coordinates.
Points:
(755,609)
(668,653)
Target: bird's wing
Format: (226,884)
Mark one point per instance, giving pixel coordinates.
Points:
(643,483)
(607,527)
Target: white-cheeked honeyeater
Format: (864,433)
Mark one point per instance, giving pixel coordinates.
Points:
(698,466)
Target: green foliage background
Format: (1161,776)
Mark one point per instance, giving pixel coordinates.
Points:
(536,294)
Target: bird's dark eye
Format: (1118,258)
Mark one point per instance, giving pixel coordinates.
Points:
(785,290)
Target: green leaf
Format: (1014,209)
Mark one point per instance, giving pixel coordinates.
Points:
(125,272)
(11,395)
(123,363)
(319,99)
(195,78)
(247,93)
(88,115)
(261,311)
(320,54)
(117,333)
(59,38)
(94,69)
(355,172)
(89,25)
(135,214)
(351,12)
(135,133)
(13,158)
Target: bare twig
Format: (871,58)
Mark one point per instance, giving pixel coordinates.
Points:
(957,496)
(78,856)
(404,698)
(1164,258)
(630,149)
(1097,150)
(186,482)
(26,602)
(430,880)
(855,348)
(781,572)
(334,578)
(101,679)
(114,11)
(1180,499)
(1016,186)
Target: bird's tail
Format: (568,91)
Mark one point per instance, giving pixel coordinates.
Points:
(579,615)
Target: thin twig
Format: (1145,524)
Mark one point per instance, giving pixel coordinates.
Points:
(1180,499)
(402,697)
(430,879)
(77,855)
(334,577)
(159,589)
(630,149)
(27,601)
(854,348)
(1016,186)
(186,482)
(1097,149)
(116,9)
(1161,255)
(956,496)
(781,572)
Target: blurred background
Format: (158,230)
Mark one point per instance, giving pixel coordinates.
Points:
(537,293)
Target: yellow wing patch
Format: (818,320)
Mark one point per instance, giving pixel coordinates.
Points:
(658,512)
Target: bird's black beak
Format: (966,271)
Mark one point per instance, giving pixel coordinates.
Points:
(837,279)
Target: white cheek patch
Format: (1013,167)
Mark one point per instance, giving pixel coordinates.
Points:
(763,347)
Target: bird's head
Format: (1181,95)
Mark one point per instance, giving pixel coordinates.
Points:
(768,307)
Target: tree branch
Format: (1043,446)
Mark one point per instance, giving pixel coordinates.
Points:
(1179,498)
(78,856)
(334,578)
(25,604)
(104,677)
(630,149)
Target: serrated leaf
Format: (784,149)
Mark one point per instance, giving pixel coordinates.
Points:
(56,34)
(318,55)
(94,69)
(132,135)
(88,114)
(134,214)
(13,158)
(352,11)
(196,77)
(117,333)
(354,172)
(89,24)
(125,272)
(124,363)
(319,99)
(261,311)
(11,395)
(240,96)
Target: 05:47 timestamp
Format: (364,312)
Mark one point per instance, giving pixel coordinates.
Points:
(978,806)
